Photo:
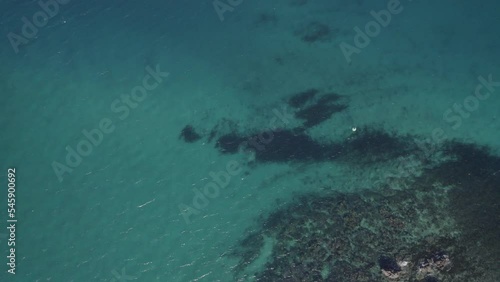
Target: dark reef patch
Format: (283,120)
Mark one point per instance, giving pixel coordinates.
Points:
(301,98)
(329,98)
(315,111)
(472,160)
(318,113)
(369,145)
(229,144)
(474,174)
(278,146)
(290,146)
(274,144)
(189,135)
(388,263)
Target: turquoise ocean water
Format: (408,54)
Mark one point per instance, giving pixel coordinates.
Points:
(126,205)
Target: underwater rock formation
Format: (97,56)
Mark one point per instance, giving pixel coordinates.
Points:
(189,135)
(389,266)
(414,234)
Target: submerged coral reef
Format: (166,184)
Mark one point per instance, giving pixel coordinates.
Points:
(440,228)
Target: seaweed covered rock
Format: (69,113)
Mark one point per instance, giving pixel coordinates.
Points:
(389,266)
(433,265)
